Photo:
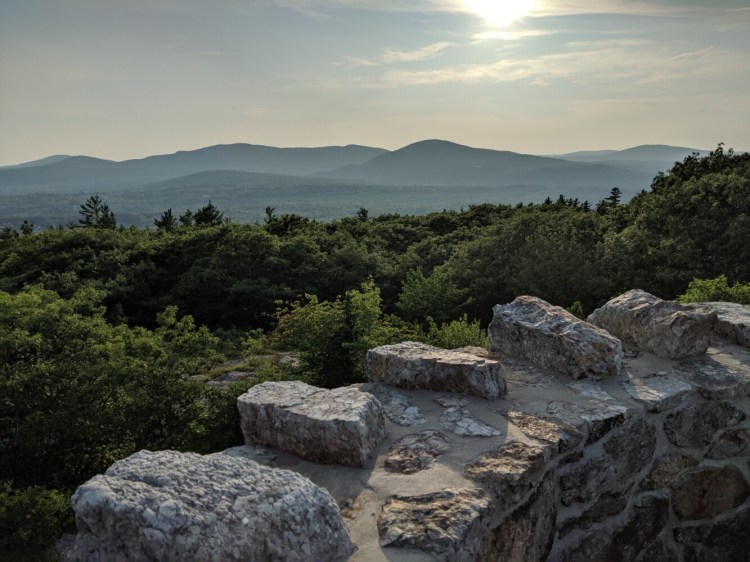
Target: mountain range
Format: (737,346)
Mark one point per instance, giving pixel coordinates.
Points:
(421,177)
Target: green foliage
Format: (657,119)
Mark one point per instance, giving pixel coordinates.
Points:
(77,393)
(718,289)
(166,221)
(435,295)
(254,343)
(95,213)
(576,309)
(457,333)
(30,516)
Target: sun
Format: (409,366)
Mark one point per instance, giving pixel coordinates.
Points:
(499,13)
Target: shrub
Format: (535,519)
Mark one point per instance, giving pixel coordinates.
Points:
(718,289)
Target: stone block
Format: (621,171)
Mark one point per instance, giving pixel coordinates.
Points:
(415,365)
(339,426)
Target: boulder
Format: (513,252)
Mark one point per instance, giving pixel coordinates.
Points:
(461,422)
(665,328)
(417,365)
(733,442)
(553,338)
(732,320)
(659,391)
(723,538)
(396,406)
(449,524)
(562,436)
(597,417)
(172,506)
(716,378)
(340,426)
(666,469)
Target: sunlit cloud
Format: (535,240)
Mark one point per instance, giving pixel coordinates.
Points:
(396,56)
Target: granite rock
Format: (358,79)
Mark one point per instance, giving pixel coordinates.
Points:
(733,442)
(665,328)
(416,365)
(696,424)
(708,491)
(460,422)
(172,506)
(416,451)
(658,392)
(732,320)
(666,469)
(339,426)
(448,524)
(554,338)
(561,435)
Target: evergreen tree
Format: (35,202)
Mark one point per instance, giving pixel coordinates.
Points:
(208,216)
(27,228)
(166,221)
(95,213)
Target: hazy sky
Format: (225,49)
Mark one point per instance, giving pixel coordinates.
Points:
(127,78)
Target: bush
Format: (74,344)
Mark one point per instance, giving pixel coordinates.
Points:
(29,517)
(458,333)
(718,289)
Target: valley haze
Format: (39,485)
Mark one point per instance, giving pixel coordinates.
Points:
(321,182)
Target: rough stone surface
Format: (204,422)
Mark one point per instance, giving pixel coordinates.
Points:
(665,328)
(695,425)
(629,541)
(708,491)
(396,406)
(561,435)
(624,453)
(734,442)
(599,418)
(732,320)
(416,451)
(605,506)
(725,539)
(526,535)
(666,469)
(716,380)
(448,523)
(658,392)
(174,506)
(509,472)
(590,389)
(553,338)
(417,365)
(340,426)
(231,377)
(460,422)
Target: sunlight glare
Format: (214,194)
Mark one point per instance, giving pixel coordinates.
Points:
(499,13)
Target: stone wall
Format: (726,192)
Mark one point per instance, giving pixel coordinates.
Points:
(515,454)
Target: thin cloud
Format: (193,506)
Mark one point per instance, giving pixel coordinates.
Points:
(396,56)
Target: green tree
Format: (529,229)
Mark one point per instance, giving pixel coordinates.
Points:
(436,296)
(96,214)
(208,215)
(166,221)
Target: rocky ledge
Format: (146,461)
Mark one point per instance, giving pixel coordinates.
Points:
(651,462)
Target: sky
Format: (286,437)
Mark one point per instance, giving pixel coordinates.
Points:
(123,79)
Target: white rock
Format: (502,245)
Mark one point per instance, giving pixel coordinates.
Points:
(460,422)
(553,338)
(171,506)
(340,426)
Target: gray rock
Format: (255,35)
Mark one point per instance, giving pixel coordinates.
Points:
(734,442)
(510,472)
(449,524)
(722,538)
(561,435)
(624,453)
(659,391)
(340,426)
(602,508)
(590,389)
(695,425)
(708,491)
(658,551)
(417,365)
(716,380)
(629,541)
(396,406)
(732,320)
(553,338)
(597,417)
(174,506)
(416,452)
(452,401)
(526,535)
(665,328)
(460,422)
(666,469)
(231,377)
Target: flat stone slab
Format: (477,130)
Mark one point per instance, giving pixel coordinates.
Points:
(599,418)
(415,452)
(554,338)
(561,435)
(396,406)
(416,365)
(715,380)
(448,523)
(340,426)
(664,328)
(659,391)
(175,507)
(460,422)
